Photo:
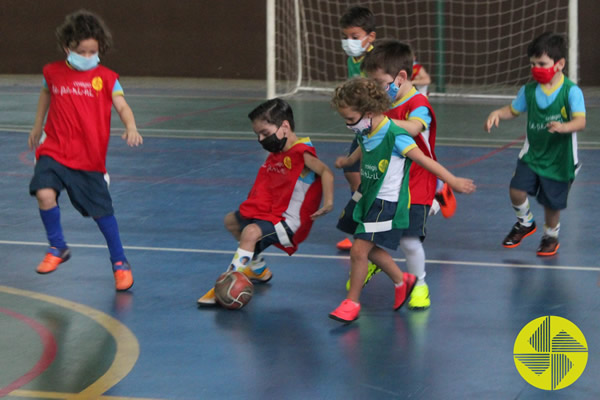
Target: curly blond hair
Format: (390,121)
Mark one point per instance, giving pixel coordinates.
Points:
(362,95)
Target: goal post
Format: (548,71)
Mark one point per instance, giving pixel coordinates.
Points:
(471,48)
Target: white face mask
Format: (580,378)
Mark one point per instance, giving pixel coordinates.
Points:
(82,63)
(362,126)
(353,47)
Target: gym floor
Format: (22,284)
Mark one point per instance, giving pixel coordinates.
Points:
(69,335)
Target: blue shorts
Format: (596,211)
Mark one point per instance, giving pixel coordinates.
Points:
(269,232)
(356,166)
(381,210)
(87,190)
(417,221)
(548,192)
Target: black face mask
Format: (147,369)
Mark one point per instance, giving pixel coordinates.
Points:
(273,144)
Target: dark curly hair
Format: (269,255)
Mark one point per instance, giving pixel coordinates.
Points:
(362,95)
(82,25)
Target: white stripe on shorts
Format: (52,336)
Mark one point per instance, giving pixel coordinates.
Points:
(381,226)
(282,235)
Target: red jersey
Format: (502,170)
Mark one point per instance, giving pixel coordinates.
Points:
(78,123)
(281,187)
(422,183)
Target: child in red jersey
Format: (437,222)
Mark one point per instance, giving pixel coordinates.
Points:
(390,64)
(78,96)
(284,199)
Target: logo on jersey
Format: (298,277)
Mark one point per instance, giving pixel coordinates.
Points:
(97,83)
(287,161)
(383,164)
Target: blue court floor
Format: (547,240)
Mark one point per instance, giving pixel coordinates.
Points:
(69,335)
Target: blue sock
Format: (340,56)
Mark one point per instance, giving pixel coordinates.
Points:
(109,228)
(51,221)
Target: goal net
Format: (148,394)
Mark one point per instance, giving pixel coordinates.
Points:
(469,47)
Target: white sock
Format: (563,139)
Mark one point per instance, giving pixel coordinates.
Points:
(524,214)
(241,258)
(552,232)
(415,257)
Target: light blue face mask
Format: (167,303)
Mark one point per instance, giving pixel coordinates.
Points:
(392,90)
(82,63)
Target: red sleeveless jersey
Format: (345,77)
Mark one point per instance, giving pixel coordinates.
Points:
(273,187)
(78,123)
(422,183)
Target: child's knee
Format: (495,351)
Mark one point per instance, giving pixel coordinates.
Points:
(46,198)
(231,222)
(251,232)
(411,245)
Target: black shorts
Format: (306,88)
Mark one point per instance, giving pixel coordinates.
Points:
(381,210)
(356,166)
(548,192)
(88,191)
(269,232)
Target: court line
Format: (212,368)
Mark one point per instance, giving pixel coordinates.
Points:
(126,354)
(48,353)
(322,136)
(36,394)
(316,256)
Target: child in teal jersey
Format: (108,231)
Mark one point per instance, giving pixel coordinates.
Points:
(379,210)
(548,161)
(358,33)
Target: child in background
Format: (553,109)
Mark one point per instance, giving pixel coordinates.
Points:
(378,213)
(284,199)
(78,95)
(420,78)
(358,32)
(548,162)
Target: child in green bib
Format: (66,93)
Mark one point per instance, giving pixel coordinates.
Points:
(548,161)
(379,210)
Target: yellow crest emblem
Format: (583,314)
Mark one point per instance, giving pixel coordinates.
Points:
(287,161)
(383,164)
(97,83)
(563,113)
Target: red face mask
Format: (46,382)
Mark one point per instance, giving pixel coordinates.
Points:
(543,75)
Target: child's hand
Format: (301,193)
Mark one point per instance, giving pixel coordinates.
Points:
(492,120)
(133,137)
(463,185)
(555,127)
(340,162)
(322,211)
(34,138)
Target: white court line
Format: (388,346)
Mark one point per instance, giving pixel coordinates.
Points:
(247,134)
(316,256)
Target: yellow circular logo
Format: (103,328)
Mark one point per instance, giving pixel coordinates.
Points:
(97,83)
(287,161)
(383,164)
(550,353)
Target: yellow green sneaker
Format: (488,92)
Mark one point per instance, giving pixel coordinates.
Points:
(373,269)
(419,298)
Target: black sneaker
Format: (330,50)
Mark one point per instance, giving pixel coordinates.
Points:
(517,233)
(548,246)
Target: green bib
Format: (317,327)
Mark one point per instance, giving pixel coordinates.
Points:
(551,155)
(373,168)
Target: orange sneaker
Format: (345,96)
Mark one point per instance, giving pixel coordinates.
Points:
(346,312)
(123,276)
(447,201)
(53,257)
(345,244)
(263,277)
(403,292)
(208,299)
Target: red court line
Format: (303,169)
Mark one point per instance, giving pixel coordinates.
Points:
(165,118)
(45,360)
(487,155)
